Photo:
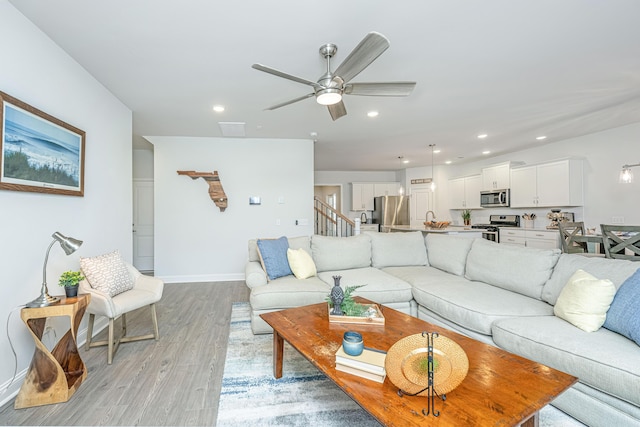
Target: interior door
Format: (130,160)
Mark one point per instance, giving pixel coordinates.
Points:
(143,225)
(421,202)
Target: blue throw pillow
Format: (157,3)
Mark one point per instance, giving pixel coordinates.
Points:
(623,316)
(273,254)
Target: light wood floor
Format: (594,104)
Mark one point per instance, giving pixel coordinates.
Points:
(174,381)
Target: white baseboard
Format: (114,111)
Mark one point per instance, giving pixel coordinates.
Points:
(230,277)
(100,324)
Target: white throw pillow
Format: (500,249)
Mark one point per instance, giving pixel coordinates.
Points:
(584,301)
(301,263)
(107,273)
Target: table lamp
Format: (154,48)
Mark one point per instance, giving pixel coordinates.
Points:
(70,245)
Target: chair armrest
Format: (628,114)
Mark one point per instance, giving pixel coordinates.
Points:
(254,275)
(101,302)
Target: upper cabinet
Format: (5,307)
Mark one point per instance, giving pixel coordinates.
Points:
(464,193)
(496,177)
(550,184)
(386,189)
(362,193)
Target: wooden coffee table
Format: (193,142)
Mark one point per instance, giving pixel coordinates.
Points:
(500,388)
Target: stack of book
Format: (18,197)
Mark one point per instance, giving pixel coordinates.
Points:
(370,364)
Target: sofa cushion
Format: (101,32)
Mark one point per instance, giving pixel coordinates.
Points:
(584,301)
(397,249)
(301,263)
(472,305)
(379,286)
(341,253)
(448,253)
(518,269)
(624,315)
(273,257)
(303,242)
(616,270)
(288,292)
(603,359)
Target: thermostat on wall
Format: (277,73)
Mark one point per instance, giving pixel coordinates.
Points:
(254,200)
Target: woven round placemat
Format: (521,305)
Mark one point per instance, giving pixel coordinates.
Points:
(407,364)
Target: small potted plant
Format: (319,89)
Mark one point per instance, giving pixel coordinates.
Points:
(466,216)
(70,280)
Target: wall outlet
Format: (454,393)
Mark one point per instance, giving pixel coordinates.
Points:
(617,220)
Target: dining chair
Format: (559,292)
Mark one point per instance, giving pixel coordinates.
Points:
(568,233)
(621,241)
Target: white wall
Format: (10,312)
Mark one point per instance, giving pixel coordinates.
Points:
(194,241)
(38,72)
(345,178)
(143,164)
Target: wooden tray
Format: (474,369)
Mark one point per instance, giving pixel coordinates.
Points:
(378,320)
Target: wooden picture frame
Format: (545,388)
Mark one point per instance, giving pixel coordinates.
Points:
(38,152)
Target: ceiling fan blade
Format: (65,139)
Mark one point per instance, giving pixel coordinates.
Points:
(291,101)
(380,89)
(337,110)
(364,54)
(284,75)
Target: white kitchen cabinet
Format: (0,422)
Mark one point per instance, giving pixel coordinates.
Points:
(362,194)
(550,184)
(530,238)
(496,177)
(464,193)
(421,203)
(386,189)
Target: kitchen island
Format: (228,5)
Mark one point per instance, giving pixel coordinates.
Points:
(460,230)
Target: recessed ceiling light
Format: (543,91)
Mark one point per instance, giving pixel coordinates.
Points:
(486,152)
(482,136)
(540,138)
(436,151)
(218,108)
(448,162)
(405,161)
(372,114)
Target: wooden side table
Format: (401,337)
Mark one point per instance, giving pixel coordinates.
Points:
(53,376)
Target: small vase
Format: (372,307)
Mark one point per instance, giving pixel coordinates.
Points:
(337,296)
(71,291)
(467,222)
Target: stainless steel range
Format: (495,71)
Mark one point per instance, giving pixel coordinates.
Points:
(492,230)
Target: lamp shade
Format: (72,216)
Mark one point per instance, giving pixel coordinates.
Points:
(69,244)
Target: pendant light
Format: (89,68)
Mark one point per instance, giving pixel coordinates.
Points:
(626,175)
(433,183)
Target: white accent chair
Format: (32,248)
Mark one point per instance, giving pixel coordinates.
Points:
(146,290)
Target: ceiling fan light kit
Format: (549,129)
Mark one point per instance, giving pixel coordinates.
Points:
(331,86)
(328,96)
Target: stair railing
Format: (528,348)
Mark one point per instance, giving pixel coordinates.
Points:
(330,222)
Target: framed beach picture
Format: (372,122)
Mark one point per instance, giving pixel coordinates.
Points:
(39,153)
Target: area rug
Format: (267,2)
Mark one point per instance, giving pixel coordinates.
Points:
(251,396)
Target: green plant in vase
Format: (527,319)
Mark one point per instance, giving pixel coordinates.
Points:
(70,281)
(466,216)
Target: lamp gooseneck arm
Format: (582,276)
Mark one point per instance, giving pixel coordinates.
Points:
(44,267)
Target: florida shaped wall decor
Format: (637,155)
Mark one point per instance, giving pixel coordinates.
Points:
(216,192)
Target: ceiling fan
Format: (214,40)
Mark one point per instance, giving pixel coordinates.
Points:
(331,86)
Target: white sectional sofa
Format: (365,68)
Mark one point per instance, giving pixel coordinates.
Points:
(501,295)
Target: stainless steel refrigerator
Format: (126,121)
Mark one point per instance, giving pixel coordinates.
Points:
(391,210)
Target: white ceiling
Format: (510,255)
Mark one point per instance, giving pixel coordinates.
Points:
(514,70)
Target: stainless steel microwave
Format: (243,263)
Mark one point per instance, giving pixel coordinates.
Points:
(495,198)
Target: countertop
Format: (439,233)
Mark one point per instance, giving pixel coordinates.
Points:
(450,229)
